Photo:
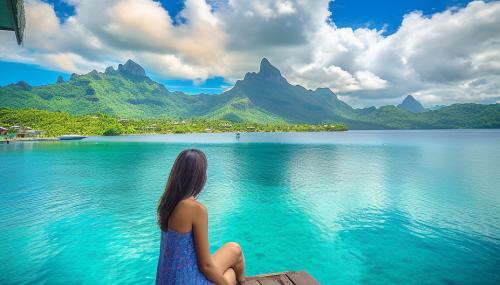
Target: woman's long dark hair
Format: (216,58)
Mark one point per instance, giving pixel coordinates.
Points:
(187,178)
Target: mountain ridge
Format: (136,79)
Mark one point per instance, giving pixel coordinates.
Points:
(263,96)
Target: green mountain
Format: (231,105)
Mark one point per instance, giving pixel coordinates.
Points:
(411,104)
(261,97)
(126,92)
(270,91)
(463,116)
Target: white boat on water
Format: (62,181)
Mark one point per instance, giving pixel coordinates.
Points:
(71,137)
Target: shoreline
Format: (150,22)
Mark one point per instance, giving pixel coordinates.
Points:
(228,135)
(49,139)
(169,133)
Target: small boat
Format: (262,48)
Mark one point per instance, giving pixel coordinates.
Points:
(71,137)
(237,136)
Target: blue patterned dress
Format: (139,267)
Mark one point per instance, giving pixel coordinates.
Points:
(178,263)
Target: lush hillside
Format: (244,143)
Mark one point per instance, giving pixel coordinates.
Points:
(243,110)
(464,116)
(120,93)
(60,123)
(260,97)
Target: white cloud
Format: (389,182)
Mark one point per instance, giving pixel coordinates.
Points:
(427,55)
(285,7)
(452,56)
(369,81)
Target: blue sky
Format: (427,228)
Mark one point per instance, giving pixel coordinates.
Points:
(283,31)
(346,13)
(386,14)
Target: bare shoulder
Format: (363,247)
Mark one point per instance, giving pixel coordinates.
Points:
(186,213)
(193,206)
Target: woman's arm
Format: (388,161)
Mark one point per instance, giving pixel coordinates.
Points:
(205,262)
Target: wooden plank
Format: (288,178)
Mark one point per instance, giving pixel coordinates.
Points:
(250,282)
(284,280)
(266,275)
(301,278)
(269,281)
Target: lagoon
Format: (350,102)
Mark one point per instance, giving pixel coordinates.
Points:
(356,207)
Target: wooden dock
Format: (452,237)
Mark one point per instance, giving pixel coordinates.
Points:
(282,278)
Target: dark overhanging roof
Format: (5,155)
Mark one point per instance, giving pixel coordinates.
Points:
(12,17)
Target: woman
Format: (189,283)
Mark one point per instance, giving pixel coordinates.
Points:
(184,251)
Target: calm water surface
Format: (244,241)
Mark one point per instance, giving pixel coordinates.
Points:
(359,207)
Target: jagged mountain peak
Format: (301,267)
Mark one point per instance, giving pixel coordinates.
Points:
(411,104)
(267,67)
(267,73)
(131,68)
(410,97)
(109,70)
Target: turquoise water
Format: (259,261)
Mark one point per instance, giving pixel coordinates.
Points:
(359,207)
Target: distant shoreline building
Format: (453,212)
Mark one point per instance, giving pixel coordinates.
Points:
(22,132)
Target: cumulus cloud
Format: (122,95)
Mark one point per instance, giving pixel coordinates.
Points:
(451,56)
(427,56)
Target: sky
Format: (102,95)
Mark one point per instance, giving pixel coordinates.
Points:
(367,52)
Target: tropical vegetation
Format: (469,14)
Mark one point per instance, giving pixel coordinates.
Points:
(54,124)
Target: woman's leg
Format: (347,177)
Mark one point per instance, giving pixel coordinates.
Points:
(230,256)
(230,276)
